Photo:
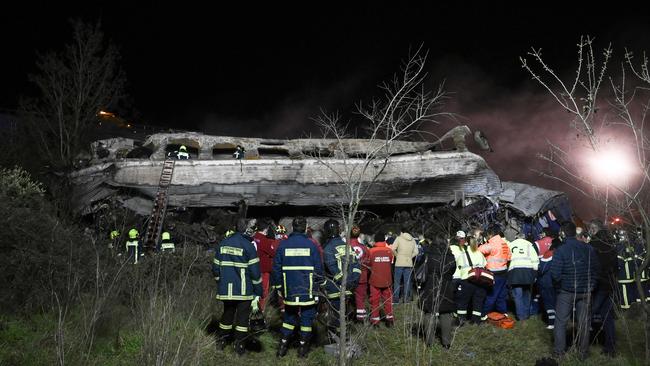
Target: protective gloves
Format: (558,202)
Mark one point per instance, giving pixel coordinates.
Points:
(255,304)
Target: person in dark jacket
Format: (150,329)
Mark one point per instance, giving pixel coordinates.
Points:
(437,294)
(604,301)
(297,274)
(335,251)
(545,281)
(574,270)
(236,269)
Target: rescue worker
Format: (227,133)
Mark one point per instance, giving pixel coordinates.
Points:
(115,238)
(266,247)
(437,294)
(133,246)
(627,269)
(281,232)
(468,295)
(380,257)
(236,269)
(545,282)
(182,153)
(361,292)
(166,243)
(239,153)
(297,276)
(334,256)
(497,255)
(575,269)
(522,273)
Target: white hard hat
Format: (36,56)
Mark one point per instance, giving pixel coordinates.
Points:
(460,234)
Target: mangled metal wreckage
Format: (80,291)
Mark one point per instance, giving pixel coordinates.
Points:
(291,172)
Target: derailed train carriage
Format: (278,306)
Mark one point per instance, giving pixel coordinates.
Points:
(283,174)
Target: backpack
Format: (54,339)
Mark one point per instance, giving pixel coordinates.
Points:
(420,272)
(500,320)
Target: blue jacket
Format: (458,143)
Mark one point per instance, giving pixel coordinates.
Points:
(237,269)
(575,266)
(544,274)
(333,255)
(297,270)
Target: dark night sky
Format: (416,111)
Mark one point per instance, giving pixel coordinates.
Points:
(265,70)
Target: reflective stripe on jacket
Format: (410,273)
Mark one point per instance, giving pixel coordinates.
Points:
(297,270)
(237,269)
(497,254)
(334,253)
(462,264)
(523,263)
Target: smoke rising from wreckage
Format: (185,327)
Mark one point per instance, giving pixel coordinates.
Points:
(287,173)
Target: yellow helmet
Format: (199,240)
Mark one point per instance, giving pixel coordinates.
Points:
(133,234)
(182,148)
(114,234)
(166,236)
(229,233)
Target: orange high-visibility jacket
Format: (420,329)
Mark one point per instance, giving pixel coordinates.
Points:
(497,254)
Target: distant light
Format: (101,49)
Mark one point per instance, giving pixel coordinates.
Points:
(106,114)
(612,166)
(128,125)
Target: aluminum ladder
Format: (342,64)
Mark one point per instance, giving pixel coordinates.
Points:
(154,228)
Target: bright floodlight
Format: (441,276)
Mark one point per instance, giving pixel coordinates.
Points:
(612,166)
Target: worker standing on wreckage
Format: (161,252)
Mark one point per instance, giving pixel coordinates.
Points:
(334,255)
(236,269)
(297,275)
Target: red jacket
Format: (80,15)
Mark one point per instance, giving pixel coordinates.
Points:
(380,257)
(361,251)
(265,251)
(543,245)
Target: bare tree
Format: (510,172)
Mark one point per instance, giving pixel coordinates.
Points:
(73,86)
(609,160)
(405,106)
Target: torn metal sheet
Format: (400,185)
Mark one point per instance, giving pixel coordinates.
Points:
(531,200)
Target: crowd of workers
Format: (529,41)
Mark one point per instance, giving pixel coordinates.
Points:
(565,273)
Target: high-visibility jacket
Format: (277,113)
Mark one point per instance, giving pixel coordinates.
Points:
(380,258)
(462,263)
(523,263)
(297,270)
(133,249)
(182,155)
(334,254)
(497,254)
(167,246)
(237,269)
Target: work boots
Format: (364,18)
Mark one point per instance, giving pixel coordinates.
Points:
(239,347)
(303,349)
(283,348)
